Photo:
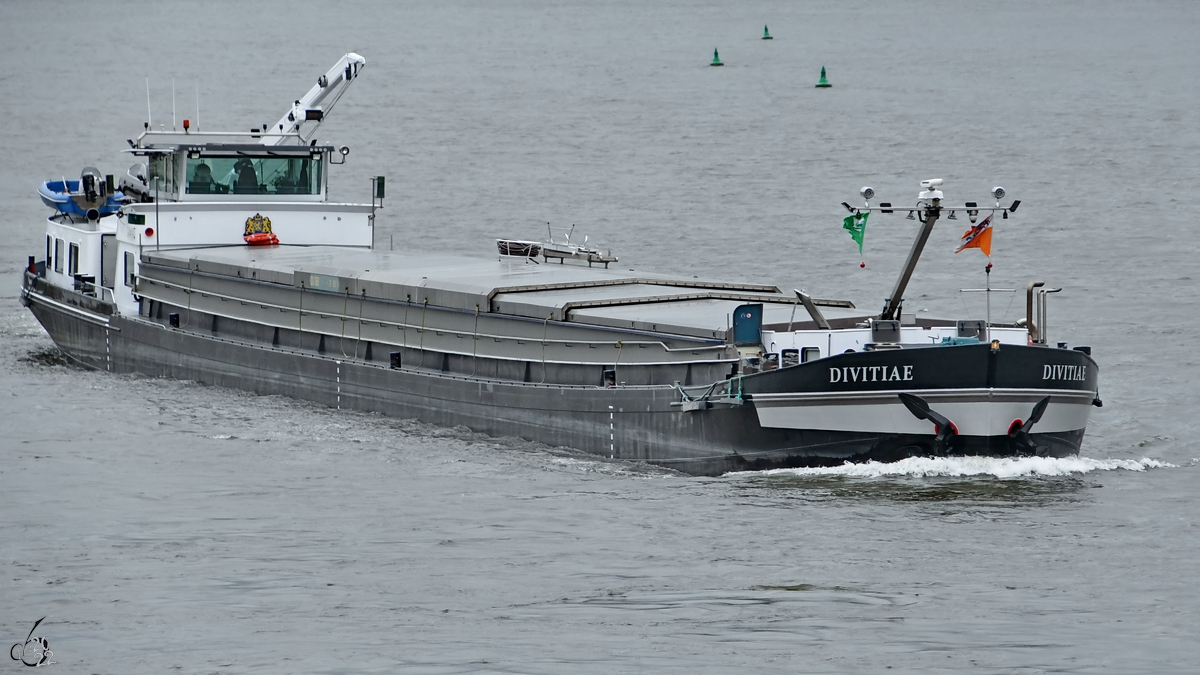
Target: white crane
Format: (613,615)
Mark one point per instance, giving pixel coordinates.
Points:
(308,111)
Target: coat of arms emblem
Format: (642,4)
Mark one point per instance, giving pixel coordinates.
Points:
(258,231)
(258,224)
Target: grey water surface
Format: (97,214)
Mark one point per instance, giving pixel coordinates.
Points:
(171,527)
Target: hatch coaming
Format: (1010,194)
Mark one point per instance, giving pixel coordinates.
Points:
(415,324)
(491,308)
(536,292)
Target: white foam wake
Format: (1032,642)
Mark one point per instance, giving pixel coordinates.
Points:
(999,467)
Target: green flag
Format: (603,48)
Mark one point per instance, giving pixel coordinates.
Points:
(857,224)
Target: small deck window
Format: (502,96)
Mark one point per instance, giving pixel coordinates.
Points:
(249,175)
(810,354)
(58,255)
(73,259)
(49,251)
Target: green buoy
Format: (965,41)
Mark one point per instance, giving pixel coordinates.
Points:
(767,34)
(823,83)
(716,59)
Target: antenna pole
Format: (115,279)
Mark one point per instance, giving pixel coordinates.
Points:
(149,121)
(197,106)
(988,292)
(173,128)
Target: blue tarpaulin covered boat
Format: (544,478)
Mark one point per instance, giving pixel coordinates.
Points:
(92,196)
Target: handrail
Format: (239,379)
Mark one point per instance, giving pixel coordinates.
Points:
(1035,310)
(86,287)
(750,289)
(1042,301)
(112,297)
(569,307)
(1034,332)
(151,134)
(253,134)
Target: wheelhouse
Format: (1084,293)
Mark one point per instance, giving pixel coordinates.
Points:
(228,172)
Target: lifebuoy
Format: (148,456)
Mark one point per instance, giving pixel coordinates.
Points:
(261,239)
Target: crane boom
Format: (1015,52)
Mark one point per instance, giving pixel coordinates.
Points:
(316,104)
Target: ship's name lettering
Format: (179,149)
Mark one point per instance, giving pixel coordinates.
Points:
(871,374)
(1064,373)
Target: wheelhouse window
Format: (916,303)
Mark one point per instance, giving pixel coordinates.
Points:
(58,255)
(162,173)
(73,259)
(236,174)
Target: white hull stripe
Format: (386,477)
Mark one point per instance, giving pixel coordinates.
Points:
(930,395)
(976,412)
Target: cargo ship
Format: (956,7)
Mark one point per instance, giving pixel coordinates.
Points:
(227,264)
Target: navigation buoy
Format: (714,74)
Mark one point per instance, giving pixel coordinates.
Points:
(716,59)
(863,264)
(823,83)
(767,34)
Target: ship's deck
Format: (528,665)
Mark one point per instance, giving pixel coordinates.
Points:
(514,286)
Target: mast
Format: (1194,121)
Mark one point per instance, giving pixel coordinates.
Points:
(928,210)
(929,204)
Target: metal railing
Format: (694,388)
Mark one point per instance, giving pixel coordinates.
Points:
(1035,310)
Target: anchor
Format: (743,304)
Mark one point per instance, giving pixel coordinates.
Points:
(946,430)
(1018,431)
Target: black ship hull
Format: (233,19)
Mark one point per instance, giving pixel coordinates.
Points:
(843,408)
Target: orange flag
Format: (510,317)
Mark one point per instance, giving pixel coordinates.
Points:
(979,236)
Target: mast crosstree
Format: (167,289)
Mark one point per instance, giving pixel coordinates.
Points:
(928,210)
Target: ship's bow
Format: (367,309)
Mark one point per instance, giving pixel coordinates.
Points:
(1000,400)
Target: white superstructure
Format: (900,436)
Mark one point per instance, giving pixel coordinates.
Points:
(193,188)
